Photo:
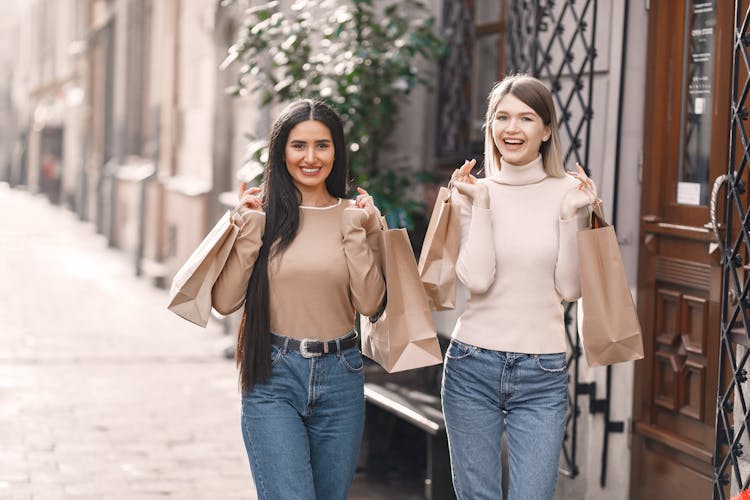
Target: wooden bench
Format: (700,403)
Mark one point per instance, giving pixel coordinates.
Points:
(423,411)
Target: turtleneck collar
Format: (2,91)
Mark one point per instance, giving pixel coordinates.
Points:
(519,175)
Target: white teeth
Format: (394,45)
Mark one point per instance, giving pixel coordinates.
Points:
(513,141)
(310,170)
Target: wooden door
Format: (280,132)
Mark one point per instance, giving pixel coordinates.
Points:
(679,281)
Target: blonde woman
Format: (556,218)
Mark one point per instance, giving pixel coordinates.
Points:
(505,369)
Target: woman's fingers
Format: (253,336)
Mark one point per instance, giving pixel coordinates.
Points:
(465,169)
(587,188)
(251,194)
(251,202)
(244,189)
(462,188)
(455,176)
(580,171)
(463,174)
(477,193)
(364,200)
(584,181)
(466,189)
(249,197)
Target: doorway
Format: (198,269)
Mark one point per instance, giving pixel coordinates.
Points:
(679,275)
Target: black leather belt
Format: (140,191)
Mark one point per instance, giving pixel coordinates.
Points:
(311,348)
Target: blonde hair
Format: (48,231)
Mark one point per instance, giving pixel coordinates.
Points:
(537,96)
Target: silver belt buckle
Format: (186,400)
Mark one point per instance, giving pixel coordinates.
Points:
(303,350)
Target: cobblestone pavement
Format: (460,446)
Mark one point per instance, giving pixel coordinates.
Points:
(103,392)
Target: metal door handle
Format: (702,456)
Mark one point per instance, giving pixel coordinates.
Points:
(713,209)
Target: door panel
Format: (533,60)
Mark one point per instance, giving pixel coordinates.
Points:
(679,276)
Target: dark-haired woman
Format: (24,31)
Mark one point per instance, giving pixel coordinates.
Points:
(303,263)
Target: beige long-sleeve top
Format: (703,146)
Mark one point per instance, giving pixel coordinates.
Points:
(519,261)
(330,270)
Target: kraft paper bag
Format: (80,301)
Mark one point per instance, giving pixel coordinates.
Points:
(437,262)
(190,293)
(403,335)
(611,332)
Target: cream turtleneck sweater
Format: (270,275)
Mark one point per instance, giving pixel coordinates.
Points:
(519,261)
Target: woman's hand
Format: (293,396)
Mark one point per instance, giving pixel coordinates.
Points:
(580,196)
(467,185)
(358,215)
(365,202)
(249,199)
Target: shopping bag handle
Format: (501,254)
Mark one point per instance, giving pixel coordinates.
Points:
(451,188)
(375,317)
(597,215)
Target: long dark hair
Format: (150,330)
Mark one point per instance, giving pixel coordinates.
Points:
(281,200)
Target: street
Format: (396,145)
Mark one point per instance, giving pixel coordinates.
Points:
(103,392)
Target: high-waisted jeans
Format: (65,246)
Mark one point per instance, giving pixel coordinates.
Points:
(303,428)
(487,392)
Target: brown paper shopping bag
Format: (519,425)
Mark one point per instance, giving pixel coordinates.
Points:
(190,293)
(611,332)
(403,336)
(437,262)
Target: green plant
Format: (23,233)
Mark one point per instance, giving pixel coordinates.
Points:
(361,60)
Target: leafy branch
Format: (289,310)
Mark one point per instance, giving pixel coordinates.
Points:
(360,61)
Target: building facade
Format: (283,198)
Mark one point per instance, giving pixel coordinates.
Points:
(117,109)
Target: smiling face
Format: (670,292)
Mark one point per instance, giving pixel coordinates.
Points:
(309,155)
(518,131)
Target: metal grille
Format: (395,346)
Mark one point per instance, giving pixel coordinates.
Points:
(554,41)
(455,74)
(523,25)
(733,408)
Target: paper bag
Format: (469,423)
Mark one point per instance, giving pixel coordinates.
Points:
(403,336)
(190,293)
(611,332)
(437,262)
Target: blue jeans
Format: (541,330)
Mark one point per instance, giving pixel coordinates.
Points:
(487,392)
(303,428)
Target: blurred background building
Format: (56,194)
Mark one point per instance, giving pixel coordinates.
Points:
(117,110)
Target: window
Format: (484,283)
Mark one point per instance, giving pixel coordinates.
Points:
(476,37)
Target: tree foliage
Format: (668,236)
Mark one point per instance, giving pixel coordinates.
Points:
(360,59)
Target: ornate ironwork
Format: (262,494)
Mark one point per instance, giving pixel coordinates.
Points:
(733,407)
(555,42)
(454,119)
(524,23)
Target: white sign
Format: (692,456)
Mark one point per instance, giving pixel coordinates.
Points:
(700,105)
(689,193)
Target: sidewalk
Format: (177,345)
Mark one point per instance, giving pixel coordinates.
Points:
(103,392)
